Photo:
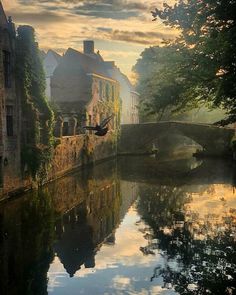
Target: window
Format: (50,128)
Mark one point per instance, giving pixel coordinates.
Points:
(90,120)
(1,173)
(113,92)
(9,120)
(107,91)
(7,68)
(65,131)
(90,123)
(100,90)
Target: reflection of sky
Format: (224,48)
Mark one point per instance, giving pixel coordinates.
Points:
(210,207)
(120,268)
(122,28)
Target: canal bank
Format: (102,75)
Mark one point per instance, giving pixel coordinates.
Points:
(71,153)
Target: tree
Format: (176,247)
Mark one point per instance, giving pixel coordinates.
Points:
(160,79)
(207,41)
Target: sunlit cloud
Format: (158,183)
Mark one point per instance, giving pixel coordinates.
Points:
(115,25)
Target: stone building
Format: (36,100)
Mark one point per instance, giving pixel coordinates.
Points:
(129,97)
(50,61)
(10,167)
(83,92)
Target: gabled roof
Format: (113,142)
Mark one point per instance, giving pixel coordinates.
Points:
(55,55)
(88,63)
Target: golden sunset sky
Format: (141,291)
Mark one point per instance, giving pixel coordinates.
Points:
(121,29)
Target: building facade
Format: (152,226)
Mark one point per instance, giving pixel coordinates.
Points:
(10,164)
(129,97)
(83,92)
(50,61)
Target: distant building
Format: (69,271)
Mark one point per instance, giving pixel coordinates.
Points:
(83,91)
(50,61)
(129,97)
(10,165)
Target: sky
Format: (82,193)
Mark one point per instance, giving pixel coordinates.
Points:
(121,29)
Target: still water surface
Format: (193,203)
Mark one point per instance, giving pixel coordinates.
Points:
(136,225)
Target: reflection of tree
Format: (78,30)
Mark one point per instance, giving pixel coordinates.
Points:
(205,250)
(26,233)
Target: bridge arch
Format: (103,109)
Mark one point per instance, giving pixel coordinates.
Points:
(136,138)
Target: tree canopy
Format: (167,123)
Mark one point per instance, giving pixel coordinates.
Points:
(199,66)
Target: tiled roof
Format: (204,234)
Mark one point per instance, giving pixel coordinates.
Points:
(89,63)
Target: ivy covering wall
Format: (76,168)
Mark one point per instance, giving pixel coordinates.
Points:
(37,116)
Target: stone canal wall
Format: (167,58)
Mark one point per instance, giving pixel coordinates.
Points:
(71,152)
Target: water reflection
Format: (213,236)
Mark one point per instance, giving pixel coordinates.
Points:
(195,227)
(136,226)
(26,237)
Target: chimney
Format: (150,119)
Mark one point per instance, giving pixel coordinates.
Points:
(88,47)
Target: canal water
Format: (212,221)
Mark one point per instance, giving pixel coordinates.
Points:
(136,225)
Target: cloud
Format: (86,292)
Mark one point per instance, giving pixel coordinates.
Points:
(140,37)
(115,25)
(145,38)
(106,13)
(41,17)
(114,9)
(102,29)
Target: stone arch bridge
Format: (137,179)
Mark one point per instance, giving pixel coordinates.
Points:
(138,138)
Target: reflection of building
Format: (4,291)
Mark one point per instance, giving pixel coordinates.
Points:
(9,107)
(128,96)
(74,216)
(83,91)
(75,245)
(81,231)
(129,192)
(50,62)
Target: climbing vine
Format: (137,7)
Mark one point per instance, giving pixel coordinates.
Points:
(38,118)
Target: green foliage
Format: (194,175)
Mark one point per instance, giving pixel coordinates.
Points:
(162,82)
(38,119)
(202,68)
